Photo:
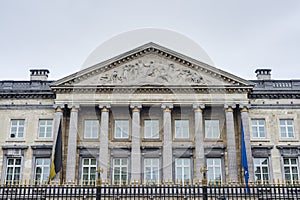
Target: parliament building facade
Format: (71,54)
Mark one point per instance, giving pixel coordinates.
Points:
(150,114)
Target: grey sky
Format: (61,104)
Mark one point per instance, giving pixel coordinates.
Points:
(239,36)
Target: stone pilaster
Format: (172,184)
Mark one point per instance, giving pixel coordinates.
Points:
(231,143)
(199,140)
(57,120)
(167,143)
(136,146)
(103,154)
(72,143)
(245,119)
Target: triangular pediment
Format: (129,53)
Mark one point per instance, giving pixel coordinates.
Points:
(153,65)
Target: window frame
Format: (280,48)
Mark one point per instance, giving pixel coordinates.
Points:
(181,134)
(286,127)
(89,166)
(41,181)
(94,125)
(120,166)
(183,166)
(151,166)
(45,131)
(290,165)
(13,166)
(214,166)
(261,166)
(257,126)
(17,129)
(208,134)
(122,136)
(154,124)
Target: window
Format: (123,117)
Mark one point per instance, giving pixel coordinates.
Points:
(151,170)
(91,128)
(214,170)
(183,169)
(258,128)
(261,169)
(290,169)
(151,129)
(89,170)
(121,129)
(13,170)
(212,129)
(287,128)
(45,128)
(42,170)
(17,128)
(181,128)
(120,170)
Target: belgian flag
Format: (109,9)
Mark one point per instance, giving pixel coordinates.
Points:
(56,164)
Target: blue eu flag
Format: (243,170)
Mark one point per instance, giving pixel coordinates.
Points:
(244,160)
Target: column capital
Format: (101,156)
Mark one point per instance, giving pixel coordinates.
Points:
(73,107)
(244,107)
(135,107)
(58,107)
(104,107)
(198,107)
(229,107)
(167,107)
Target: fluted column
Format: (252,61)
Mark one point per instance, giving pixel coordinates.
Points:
(103,154)
(72,143)
(136,147)
(231,143)
(245,119)
(167,146)
(199,139)
(57,120)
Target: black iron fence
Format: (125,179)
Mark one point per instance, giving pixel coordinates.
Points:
(151,192)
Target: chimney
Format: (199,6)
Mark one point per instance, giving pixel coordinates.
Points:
(263,74)
(39,74)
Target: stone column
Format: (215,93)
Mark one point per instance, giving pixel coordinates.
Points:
(245,119)
(167,143)
(72,143)
(199,140)
(135,146)
(103,154)
(231,143)
(57,120)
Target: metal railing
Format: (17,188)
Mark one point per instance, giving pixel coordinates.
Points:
(151,192)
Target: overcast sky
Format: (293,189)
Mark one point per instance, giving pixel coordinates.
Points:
(239,36)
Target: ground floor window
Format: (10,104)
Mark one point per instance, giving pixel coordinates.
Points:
(13,170)
(183,169)
(151,170)
(89,170)
(120,170)
(42,170)
(214,170)
(261,169)
(291,172)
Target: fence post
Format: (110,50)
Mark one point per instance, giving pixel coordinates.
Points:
(99,184)
(204,183)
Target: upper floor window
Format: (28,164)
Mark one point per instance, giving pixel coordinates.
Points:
(258,128)
(13,170)
(151,129)
(42,170)
(91,128)
(17,128)
(287,128)
(151,170)
(45,128)
(89,170)
(121,129)
(182,129)
(120,170)
(261,169)
(183,169)
(291,171)
(212,129)
(214,170)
